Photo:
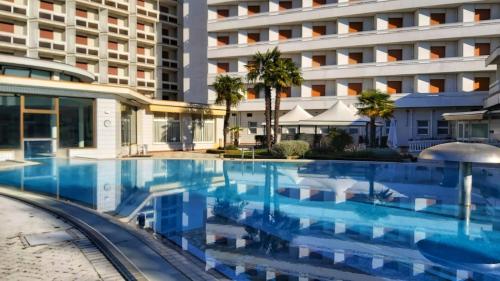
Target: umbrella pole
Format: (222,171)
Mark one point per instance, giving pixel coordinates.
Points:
(465,184)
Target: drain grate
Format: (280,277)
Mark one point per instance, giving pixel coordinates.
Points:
(46,238)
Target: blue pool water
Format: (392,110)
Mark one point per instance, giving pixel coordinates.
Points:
(294,221)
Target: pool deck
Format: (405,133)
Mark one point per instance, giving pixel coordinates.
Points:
(136,254)
(35,245)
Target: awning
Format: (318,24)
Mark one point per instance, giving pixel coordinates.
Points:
(338,115)
(465,116)
(187,109)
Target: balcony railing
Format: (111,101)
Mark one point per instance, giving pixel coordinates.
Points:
(149,36)
(52,44)
(87,50)
(172,41)
(117,79)
(142,11)
(117,55)
(415,146)
(119,30)
(11,8)
(52,16)
(11,38)
(147,83)
(87,23)
(146,59)
(362,33)
(169,63)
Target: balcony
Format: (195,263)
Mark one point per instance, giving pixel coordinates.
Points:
(11,10)
(452,31)
(169,41)
(87,24)
(145,83)
(169,19)
(326,12)
(147,14)
(52,18)
(119,56)
(146,60)
(147,37)
(118,31)
(168,63)
(52,45)
(87,50)
(170,86)
(12,40)
(118,79)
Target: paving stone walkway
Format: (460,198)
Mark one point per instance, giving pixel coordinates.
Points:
(35,245)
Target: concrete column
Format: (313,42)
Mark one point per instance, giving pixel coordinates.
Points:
(273,6)
(307,30)
(242,37)
(273,33)
(33,34)
(422,17)
(159,57)
(187,132)
(242,9)
(103,46)
(340,227)
(81,127)
(338,256)
(466,13)
(71,32)
(380,53)
(307,3)
(132,43)
(381,22)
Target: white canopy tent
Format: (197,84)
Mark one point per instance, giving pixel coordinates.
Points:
(338,115)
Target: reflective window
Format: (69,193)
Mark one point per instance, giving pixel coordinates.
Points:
(479,130)
(167,127)
(39,126)
(203,128)
(423,127)
(9,122)
(128,125)
(76,122)
(40,74)
(39,102)
(19,72)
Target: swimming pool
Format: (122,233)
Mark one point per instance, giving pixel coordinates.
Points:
(294,221)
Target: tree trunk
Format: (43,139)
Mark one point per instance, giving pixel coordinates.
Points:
(277,135)
(226,121)
(267,98)
(372,132)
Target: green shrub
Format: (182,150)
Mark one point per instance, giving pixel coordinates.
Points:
(286,149)
(231,147)
(339,140)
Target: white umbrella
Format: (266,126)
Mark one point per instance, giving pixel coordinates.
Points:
(392,139)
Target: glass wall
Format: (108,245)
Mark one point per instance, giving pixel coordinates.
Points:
(128,125)
(203,128)
(76,122)
(10,116)
(167,128)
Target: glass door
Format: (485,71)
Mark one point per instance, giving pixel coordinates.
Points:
(40,126)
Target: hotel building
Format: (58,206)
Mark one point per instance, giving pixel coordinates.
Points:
(429,55)
(97,78)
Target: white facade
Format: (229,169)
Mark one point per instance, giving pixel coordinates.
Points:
(430,55)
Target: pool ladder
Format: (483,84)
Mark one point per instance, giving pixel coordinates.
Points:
(243,153)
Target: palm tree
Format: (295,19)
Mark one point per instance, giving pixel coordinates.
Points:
(375,104)
(287,74)
(229,92)
(261,73)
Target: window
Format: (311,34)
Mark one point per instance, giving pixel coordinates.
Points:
(141,74)
(354,89)
(317,3)
(203,128)
(252,128)
(10,114)
(436,86)
(141,3)
(285,5)
(41,74)
(222,40)
(482,14)
(141,50)
(394,23)
(81,40)
(353,131)
(222,13)
(482,49)
(19,72)
(423,127)
(253,38)
(355,26)
(355,58)
(251,94)
(318,30)
(479,130)
(82,65)
(112,70)
(254,9)
(81,13)
(394,87)
(65,77)
(318,91)
(141,26)
(112,20)
(285,34)
(45,5)
(128,125)
(112,45)
(167,127)
(482,84)
(6,27)
(291,130)
(285,92)
(387,127)
(438,52)
(46,34)
(39,102)
(394,55)
(222,67)
(318,61)
(443,128)
(76,122)
(438,18)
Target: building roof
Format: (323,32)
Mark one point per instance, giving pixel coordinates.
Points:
(338,115)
